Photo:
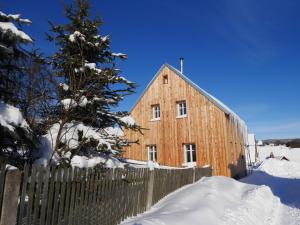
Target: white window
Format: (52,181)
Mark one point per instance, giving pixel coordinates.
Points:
(155,112)
(190,153)
(181,109)
(152,153)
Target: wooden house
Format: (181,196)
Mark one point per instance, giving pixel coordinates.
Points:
(186,126)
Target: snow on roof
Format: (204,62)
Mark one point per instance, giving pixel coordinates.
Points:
(234,117)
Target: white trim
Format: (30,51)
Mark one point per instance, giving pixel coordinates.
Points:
(155,119)
(180,117)
(190,164)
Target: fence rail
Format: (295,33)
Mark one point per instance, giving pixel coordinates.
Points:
(65,196)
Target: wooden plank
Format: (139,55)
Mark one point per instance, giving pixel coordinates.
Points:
(2,180)
(86,202)
(62,196)
(22,213)
(68,180)
(56,199)
(72,180)
(76,196)
(31,195)
(45,195)
(53,174)
(80,211)
(37,194)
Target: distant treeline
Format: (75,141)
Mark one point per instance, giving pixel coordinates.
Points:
(292,143)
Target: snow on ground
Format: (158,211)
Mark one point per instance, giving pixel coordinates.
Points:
(214,200)
(291,153)
(269,196)
(283,178)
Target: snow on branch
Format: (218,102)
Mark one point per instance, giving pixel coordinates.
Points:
(64,86)
(6,27)
(76,35)
(11,117)
(128,120)
(15,17)
(120,55)
(92,66)
(69,103)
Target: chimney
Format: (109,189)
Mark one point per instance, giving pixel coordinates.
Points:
(181,64)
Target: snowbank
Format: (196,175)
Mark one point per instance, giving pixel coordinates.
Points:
(283,179)
(214,200)
(281,168)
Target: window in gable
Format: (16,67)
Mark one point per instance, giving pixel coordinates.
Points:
(155,112)
(165,79)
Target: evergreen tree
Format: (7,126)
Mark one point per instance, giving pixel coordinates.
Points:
(11,54)
(85,118)
(16,138)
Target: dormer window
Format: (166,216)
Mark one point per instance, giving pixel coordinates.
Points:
(156,112)
(181,109)
(165,79)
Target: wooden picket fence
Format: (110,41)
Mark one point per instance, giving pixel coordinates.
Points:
(95,196)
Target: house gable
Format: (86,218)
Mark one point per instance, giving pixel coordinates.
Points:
(207,124)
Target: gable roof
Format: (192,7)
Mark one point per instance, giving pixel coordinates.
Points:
(211,98)
(233,116)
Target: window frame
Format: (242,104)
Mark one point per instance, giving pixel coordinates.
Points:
(181,109)
(152,153)
(156,113)
(190,154)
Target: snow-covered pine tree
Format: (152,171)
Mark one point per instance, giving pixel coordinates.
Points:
(91,87)
(11,53)
(16,139)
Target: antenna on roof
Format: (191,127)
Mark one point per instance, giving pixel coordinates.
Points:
(181,64)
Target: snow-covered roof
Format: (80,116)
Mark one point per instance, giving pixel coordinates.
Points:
(211,98)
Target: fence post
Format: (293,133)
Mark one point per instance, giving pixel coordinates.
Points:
(194,174)
(10,197)
(150,189)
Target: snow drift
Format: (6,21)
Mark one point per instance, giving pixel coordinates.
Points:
(214,200)
(280,168)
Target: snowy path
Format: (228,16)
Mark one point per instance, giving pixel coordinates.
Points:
(283,178)
(270,196)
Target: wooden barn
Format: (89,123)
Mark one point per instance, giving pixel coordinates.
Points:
(186,126)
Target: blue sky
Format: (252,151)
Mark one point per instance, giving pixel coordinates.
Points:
(244,52)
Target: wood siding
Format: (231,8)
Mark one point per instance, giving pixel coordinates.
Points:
(217,139)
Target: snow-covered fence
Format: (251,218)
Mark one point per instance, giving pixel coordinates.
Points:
(56,195)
